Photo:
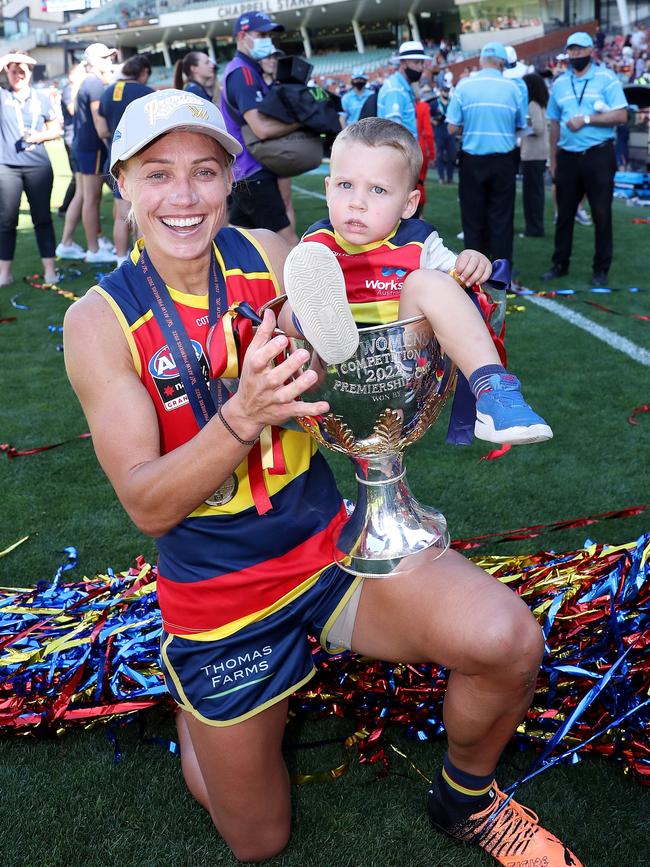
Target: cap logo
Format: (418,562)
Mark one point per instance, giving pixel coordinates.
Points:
(164,107)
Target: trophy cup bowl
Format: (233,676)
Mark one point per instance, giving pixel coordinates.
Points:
(382,399)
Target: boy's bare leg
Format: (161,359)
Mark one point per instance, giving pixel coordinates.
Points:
(458,325)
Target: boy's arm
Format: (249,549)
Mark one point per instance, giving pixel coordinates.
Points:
(470,265)
(435,256)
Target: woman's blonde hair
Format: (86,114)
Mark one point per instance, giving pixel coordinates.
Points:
(378,132)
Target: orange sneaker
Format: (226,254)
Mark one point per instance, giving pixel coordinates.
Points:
(510,833)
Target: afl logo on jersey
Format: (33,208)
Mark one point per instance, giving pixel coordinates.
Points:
(162,365)
(165,375)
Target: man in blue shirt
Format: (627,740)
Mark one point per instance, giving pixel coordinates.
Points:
(353,100)
(585,105)
(396,99)
(488,109)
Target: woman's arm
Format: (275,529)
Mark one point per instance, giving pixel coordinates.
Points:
(156,490)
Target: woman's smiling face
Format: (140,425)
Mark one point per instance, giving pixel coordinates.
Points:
(178,188)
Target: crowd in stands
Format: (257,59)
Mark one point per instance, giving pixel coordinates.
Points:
(627,56)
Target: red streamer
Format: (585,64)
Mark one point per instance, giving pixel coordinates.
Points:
(13,452)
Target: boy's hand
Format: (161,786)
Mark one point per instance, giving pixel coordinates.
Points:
(473,267)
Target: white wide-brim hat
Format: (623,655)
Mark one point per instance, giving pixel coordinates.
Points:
(412,51)
(163,111)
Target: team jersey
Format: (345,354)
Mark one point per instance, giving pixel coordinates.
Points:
(228,565)
(374,273)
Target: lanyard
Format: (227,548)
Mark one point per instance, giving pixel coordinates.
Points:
(19,106)
(203,402)
(582,92)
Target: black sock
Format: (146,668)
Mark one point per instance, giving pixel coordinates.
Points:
(462,794)
(479,381)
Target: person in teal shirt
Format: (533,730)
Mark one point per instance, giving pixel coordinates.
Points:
(396,100)
(585,105)
(352,101)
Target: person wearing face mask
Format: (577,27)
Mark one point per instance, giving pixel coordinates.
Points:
(353,100)
(27,120)
(196,73)
(488,109)
(256,200)
(582,156)
(396,100)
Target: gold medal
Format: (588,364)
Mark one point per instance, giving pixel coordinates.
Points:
(224,492)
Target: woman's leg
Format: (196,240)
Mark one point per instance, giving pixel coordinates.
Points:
(73,213)
(38,189)
(238,774)
(92,194)
(11,189)
(451,612)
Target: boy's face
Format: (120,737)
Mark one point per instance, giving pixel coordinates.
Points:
(368,192)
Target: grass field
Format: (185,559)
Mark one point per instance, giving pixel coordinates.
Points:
(67,804)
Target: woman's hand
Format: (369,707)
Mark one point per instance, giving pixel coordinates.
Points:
(473,267)
(268,393)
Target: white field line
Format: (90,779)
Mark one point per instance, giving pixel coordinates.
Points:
(622,344)
(305,192)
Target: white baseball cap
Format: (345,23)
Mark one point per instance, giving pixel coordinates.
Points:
(98,51)
(162,111)
(15,57)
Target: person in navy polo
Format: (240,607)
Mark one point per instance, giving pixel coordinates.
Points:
(258,203)
(585,105)
(488,109)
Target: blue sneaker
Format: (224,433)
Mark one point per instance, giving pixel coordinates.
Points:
(503,416)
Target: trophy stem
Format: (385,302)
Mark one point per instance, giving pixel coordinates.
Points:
(388,523)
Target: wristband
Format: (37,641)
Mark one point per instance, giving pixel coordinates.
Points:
(233,433)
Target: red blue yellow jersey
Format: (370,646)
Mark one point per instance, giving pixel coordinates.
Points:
(227,565)
(374,273)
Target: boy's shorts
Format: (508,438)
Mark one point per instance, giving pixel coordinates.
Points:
(226,681)
(90,162)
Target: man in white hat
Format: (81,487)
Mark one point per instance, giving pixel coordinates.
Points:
(396,100)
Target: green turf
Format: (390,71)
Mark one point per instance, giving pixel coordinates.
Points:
(67,803)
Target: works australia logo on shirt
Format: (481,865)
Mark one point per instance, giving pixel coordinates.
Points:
(389,283)
(164,373)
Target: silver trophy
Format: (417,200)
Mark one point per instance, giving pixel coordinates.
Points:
(383,399)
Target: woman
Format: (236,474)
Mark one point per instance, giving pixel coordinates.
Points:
(196,73)
(245,511)
(27,120)
(534,154)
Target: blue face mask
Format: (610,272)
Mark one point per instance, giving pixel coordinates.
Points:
(262,48)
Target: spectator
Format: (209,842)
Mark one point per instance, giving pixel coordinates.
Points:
(257,203)
(67,115)
(489,110)
(353,100)
(425,140)
(534,155)
(396,100)
(27,120)
(445,143)
(89,148)
(582,157)
(196,73)
(68,248)
(131,85)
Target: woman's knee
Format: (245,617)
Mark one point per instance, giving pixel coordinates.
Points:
(260,844)
(512,642)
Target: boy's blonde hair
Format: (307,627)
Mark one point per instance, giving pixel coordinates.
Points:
(378,132)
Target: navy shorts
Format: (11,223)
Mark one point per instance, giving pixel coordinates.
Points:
(257,204)
(226,681)
(90,162)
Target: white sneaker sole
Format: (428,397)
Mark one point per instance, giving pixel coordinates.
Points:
(71,255)
(315,287)
(516,436)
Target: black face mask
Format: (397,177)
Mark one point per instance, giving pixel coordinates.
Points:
(580,63)
(359,84)
(413,75)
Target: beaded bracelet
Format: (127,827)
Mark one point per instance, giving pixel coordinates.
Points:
(233,433)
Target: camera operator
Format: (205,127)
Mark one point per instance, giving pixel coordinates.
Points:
(27,119)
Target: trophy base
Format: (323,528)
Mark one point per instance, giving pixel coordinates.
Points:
(387,525)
